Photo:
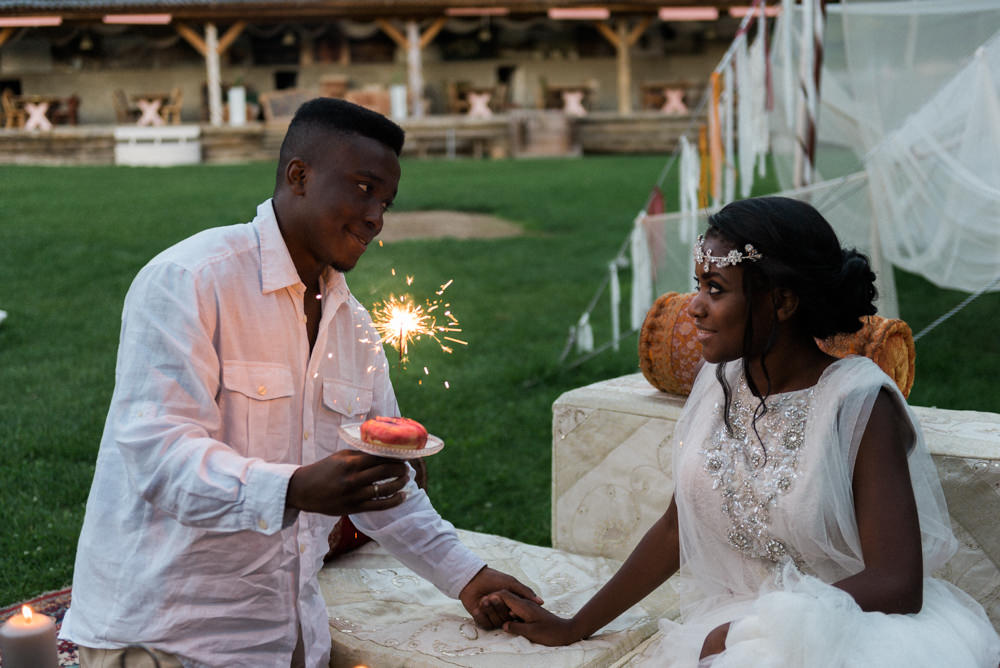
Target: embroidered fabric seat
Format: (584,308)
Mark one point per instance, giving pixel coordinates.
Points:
(382,614)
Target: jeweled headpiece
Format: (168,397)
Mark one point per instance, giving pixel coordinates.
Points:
(704,256)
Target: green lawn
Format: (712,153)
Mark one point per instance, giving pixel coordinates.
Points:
(71,239)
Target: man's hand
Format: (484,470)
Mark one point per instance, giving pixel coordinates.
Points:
(347,482)
(535,623)
(490,612)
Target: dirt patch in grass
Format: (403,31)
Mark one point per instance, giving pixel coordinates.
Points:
(400,225)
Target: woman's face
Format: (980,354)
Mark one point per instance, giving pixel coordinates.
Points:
(719,306)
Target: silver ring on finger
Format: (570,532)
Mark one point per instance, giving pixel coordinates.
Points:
(376,495)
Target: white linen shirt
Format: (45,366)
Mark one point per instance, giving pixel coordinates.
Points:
(186,545)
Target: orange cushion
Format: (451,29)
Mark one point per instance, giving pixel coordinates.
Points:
(669,354)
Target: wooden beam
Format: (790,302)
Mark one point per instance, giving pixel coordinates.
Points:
(393,33)
(230,36)
(638,29)
(608,33)
(432,32)
(5,35)
(192,38)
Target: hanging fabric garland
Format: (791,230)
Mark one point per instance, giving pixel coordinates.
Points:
(715,139)
(746,152)
(705,165)
(642,273)
(584,335)
(690,181)
(760,132)
(728,137)
(616,301)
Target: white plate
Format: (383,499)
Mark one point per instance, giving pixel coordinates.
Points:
(352,434)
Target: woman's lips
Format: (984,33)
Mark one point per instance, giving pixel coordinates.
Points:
(703,334)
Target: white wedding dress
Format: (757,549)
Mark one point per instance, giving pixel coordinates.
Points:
(766,524)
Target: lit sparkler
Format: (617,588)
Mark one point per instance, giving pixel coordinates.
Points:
(401,321)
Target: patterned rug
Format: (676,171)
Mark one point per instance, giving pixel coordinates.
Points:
(54,604)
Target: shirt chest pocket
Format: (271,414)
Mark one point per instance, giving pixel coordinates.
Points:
(257,402)
(343,403)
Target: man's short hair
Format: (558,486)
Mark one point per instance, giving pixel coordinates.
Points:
(332,115)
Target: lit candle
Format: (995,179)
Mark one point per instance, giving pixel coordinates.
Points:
(28,640)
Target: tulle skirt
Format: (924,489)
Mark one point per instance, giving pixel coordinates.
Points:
(809,623)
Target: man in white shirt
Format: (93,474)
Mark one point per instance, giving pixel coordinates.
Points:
(220,472)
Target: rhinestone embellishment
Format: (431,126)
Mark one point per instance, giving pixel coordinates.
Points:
(751,480)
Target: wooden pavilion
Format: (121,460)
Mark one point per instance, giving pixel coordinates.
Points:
(487,57)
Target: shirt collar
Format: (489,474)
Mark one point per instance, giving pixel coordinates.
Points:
(277,270)
(276,267)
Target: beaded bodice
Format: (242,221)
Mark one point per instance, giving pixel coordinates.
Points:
(753,467)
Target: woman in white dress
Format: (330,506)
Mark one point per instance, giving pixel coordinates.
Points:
(807,514)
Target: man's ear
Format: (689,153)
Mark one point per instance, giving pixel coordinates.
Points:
(296,176)
(786,303)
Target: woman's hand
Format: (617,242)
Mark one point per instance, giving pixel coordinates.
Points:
(491,612)
(536,623)
(715,641)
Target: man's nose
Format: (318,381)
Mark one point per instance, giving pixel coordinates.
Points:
(375,219)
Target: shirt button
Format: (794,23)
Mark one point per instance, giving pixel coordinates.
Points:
(262,523)
(261,390)
(302,548)
(305,436)
(304,319)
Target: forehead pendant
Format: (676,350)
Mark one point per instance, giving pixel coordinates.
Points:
(704,257)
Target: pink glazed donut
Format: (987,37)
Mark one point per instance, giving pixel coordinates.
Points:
(394,432)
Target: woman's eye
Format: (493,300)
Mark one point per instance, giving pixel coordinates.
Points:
(714,289)
(365,187)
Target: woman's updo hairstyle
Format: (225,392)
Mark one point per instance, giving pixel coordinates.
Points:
(801,253)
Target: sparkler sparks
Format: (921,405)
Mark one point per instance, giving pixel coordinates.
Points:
(401,321)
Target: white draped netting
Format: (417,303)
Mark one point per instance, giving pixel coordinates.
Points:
(907,112)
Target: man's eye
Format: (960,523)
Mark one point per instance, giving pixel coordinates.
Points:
(365,187)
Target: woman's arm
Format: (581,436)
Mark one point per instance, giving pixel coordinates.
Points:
(654,559)
(886,512)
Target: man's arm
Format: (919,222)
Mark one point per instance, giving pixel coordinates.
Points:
(164,412)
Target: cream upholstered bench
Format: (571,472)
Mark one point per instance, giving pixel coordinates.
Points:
(611,476)
(383,615)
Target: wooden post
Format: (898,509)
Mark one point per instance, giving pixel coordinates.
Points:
(414,69)
(214,77)
(210,49)
(413,43)
(623,39)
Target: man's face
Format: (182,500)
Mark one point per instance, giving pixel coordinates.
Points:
(349,189)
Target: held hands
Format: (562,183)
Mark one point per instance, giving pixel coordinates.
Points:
(530,620)
(480,598)
(347,482)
